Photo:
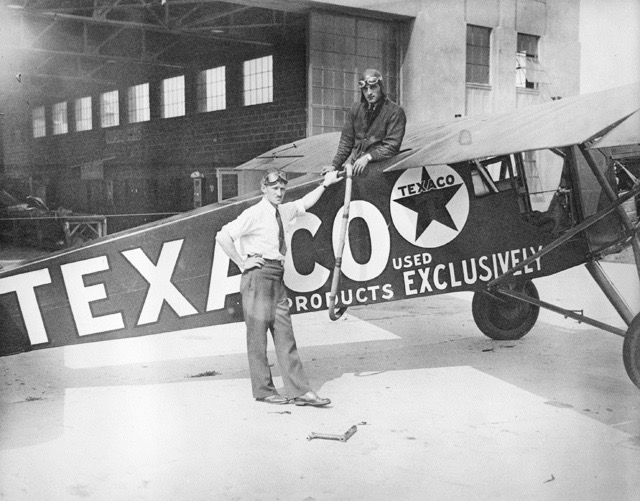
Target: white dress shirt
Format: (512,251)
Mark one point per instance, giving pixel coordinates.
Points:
(255,231)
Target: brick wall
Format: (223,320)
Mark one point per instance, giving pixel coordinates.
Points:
(146,166)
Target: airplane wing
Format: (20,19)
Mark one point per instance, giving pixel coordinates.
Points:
(303,156)
(309,155)
(564,122)
(628,132)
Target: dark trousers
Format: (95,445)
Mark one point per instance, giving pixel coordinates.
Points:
(265,307)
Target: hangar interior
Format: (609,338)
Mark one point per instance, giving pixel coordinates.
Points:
(138,109)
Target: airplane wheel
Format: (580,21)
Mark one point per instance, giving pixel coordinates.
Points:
(506,318)
(631,351)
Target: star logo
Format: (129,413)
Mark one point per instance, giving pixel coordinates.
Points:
(429,205)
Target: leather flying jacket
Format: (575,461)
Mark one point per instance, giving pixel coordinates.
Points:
(382,140)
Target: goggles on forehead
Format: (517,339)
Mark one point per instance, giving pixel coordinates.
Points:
(274,177)
(369,81)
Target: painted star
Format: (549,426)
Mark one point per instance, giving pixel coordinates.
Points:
(431,205)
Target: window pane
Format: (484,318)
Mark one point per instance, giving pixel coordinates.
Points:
(83,114)
(258,81)
(60,123)
(138,99)
(109,109)
(529,72)
(528,44)
(211,90)
(478,54)
(38,122)
(173,97)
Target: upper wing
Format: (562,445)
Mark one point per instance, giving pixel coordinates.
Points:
(564,122)
(628,132)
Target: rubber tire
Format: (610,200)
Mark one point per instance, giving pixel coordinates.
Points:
(508,319)
(631,351)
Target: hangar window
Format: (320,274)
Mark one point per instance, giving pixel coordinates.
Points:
(211,90)
(109,109)
(478,54)
(173,104)
(38,122)
(60,122)
(340,48)
(529,72)
(138,97)
(83,114)
(258,81)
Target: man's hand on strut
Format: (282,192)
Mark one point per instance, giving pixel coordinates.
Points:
(332,177)
(327,168)
(253,262)
(360,165)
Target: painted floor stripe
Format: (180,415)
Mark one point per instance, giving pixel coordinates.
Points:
(442,433)
(311,329)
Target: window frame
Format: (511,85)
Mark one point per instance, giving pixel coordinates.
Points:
(473,50)
(138,103)
(169,107)
(104,122)
(82,122)
(257,78)
(39,122)
(60,118)
(211,90)
(527,64)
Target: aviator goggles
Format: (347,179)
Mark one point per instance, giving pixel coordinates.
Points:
(368,82)
(273,177)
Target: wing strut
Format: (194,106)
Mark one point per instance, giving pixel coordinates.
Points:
(607,288)
(335,314)
(611,195)
(591,220)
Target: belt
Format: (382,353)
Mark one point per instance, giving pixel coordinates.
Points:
(272,261)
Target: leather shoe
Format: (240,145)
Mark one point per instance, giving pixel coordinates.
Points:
(310,398)
(274,399)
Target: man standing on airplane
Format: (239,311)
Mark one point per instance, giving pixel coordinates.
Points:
(374,127)
(260,234)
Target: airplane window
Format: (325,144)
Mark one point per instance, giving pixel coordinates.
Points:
(543,171)
(494,175)
(535,178)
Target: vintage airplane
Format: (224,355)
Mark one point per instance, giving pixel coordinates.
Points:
(483,204)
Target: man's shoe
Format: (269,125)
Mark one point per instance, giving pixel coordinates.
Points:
(310,398)
(274,399)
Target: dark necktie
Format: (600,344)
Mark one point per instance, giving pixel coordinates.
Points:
(282,247)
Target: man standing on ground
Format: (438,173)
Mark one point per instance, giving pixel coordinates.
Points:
(260,234)
(374,127)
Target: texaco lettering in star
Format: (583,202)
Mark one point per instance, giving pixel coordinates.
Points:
(429,205)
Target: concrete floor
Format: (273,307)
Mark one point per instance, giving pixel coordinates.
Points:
(442,412)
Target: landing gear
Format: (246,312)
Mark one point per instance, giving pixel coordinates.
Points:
(631,351)
(504,318)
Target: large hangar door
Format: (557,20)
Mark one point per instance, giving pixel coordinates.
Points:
(340,48)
